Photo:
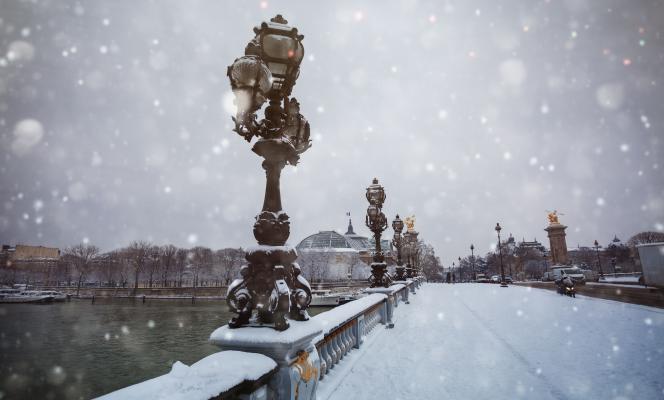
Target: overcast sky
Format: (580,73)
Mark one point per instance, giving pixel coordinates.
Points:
(115,120)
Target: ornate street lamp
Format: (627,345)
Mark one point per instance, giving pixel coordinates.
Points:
(472,257)
(271,283)
(460,270)
(397,225)
(599,261)
(500,250)
(377,223)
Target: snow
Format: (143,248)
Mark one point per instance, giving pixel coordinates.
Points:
(204,379)
(268,249)
(392,289)
(258,336)
(619,279)
(339,315)
(481,341)
(627,285)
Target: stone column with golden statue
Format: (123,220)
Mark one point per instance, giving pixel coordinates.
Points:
(412,248)
(557,242)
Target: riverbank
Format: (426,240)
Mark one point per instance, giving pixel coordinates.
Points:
(211,292)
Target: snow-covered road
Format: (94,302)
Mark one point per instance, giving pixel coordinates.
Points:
(480,341)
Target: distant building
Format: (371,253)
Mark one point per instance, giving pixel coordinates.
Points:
(329,255)
(532,245)
(28,264)
(33,253)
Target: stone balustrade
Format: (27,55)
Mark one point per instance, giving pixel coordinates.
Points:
(264,364)
(243,374)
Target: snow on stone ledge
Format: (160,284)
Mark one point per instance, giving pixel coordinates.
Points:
(392,289)
(341,314)
(261,336)
(268,249)
(207,378)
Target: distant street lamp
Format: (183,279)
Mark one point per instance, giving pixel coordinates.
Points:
(397,225)
(271,283)
(453,271)
(377,223)
(460,271)
(500,251)
(472,257)
(599,262)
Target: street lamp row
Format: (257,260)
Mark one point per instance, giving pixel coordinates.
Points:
(377,223)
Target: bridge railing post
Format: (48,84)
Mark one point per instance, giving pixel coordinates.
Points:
(357,331)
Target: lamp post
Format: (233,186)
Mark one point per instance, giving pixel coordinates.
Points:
(453,271)
(377,223)
(397,225)
(500,251)
(460,271)
(271,283)
(599,261)
(472,258)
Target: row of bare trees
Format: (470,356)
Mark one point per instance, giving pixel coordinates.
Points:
(141,264)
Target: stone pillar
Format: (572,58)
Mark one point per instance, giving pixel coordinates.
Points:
(293,350)
(557,243)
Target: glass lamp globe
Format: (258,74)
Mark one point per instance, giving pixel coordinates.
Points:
(280,46)
(376,193)
(397,224)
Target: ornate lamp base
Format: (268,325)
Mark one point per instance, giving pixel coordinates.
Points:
(272,285)
(379,276)
(400,273)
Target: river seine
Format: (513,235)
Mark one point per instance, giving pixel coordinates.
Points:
(79,350)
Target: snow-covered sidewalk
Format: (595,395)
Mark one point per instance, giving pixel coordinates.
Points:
(480,341)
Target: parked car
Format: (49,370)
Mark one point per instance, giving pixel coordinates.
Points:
(575,273)
(495,279)
(508,279)
(481,278)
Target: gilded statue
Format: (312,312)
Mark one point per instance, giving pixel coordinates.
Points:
(410,223)
(553,217)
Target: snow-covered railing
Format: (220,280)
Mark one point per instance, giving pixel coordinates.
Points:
(261,363)
(227,374)
(344,328)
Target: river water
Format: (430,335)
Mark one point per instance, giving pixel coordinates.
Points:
(79,350)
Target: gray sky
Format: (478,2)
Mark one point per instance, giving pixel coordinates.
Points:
(115,124)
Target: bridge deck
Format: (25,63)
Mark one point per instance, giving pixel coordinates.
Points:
(482,341)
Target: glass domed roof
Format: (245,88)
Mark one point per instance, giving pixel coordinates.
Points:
(324,240)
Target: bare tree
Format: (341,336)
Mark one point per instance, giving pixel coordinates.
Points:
(168,253)
(229,260)
(428,262)
(153,264)
(181,259)
(645,237)
(138,253)
(315,265)
(109,267)
(82,256)
(201,263)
